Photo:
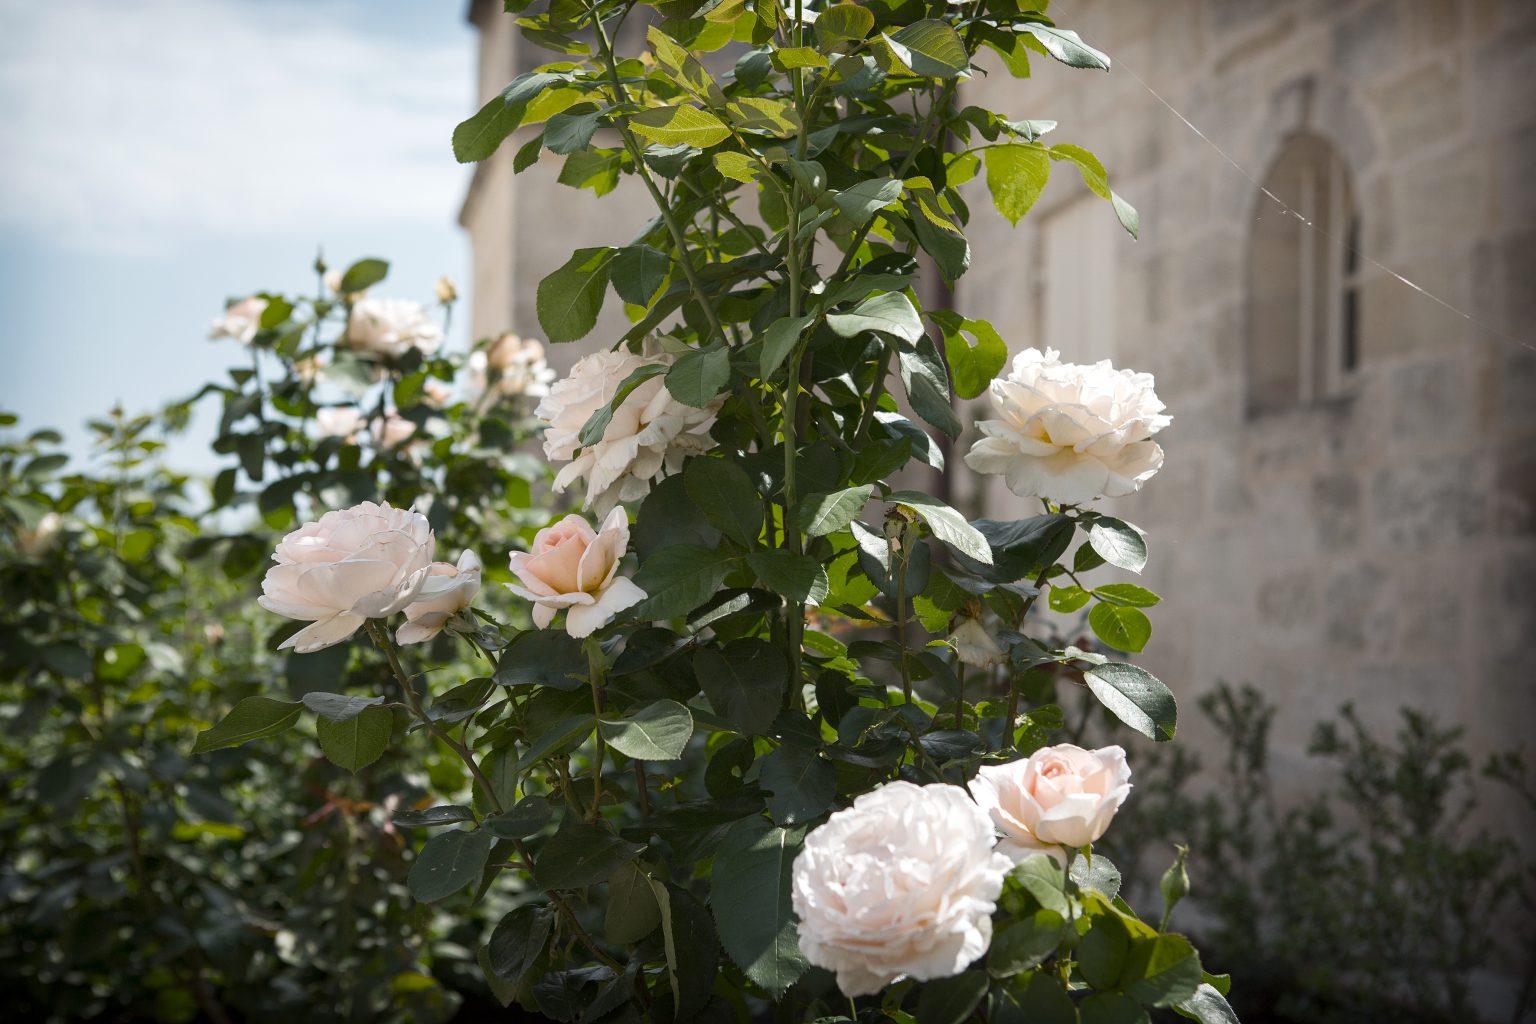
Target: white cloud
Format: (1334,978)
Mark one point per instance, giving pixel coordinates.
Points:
(132,122)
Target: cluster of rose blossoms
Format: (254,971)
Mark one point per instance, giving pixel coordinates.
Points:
(902,883)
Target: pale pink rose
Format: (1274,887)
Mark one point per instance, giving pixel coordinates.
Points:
(365,562)
(341,421)
(1070,433)
(241,320)
(392,327)
(449,589)
(391,430)
(435,393)
(571,566)
(513,367)
(1058,797)
(649,437)
(901,884)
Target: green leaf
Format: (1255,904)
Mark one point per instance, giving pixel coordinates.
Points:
(569,299)
(1045,1001)
(723,492)
(638,272)
(1129,218)
(1067,46)
(501,990)
(1016,175)
(1101,953)
(1093,172)
(1097,874)
(632,912)
(1112,1008)
(1128,594)
(517,941)
(744,681)
(843,23)
(657,732)
(789,58)
(1067,599)
(951,1000)
(801,784)
(596,169)
(972,366)
(448,862)
(254,718)
(1043,878)
(764,115)
(700,375)
(521,820)
(1025,943)
(860,201)
(890,313)
(821,514)
(799,578)
(779,340)
(678,579)
(479,136)
(1136,697)
(947,525)
(365,273)
(568,132)
(750,895)
(580,855)
(358,741)
(432,817)
(1161,971)
(1124,629)
(1118,543)
(1208,1006)
(930,48)
(543,657)
(680,125)
(338,707)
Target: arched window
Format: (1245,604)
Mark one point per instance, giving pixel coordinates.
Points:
(1303,280)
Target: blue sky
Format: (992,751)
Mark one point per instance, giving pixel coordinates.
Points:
(164,154)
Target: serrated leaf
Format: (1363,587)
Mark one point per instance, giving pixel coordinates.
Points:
(447,863)
(1016,175)
(1067,46)
(1136,697)
(700,375)
(860,201)
(338,707)
(947,525)
(657,732)
(680,125)
(779,340)
(723,492)
(678,579)
(745,682)
(569,299)
(580,855)
(1123,628)
(253,718)
(930,48)
(799,578)
(356,742)
(890,313)
(750,895)
(1118,543)
(821,514)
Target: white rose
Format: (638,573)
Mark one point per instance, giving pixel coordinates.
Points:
(901,884)
(392,327)
(341,421)
(974,646)
(355,564)
(1070,433)
(517,365)
(241,320)
(391,430)
(1061,796)
(572,566)
(448,590)
(649,437)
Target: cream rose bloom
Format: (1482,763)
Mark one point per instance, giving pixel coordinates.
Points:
(343,421)
(1061,796)
(517,366)
(391,430)
(448,590)
(354,564)
(901,884)
(392,327)
(241,320)
(571,566)
(649,437)
(1070,433)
